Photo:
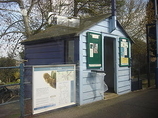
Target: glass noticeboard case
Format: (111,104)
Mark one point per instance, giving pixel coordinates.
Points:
(94,50)
(54,86)
(124,52)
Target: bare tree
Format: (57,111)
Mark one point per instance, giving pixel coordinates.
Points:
(133,18)
(94,7)
(21,19)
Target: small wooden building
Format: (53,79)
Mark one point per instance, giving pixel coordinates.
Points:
(98,43)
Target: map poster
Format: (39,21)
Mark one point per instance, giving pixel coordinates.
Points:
(53,87)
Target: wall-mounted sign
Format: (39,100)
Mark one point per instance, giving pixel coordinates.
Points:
(94,50)
(124,52)
(53,87)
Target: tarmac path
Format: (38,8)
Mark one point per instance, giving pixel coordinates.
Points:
(138,104)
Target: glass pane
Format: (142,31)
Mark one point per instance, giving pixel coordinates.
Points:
(70,56)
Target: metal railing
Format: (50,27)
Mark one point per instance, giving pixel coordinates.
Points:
(21,89)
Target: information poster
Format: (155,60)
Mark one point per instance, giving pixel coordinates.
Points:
(53,87)
(94,50)
(124,52)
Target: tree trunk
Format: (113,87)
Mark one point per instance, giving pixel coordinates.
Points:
(25,18)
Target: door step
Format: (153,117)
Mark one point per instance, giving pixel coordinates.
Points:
(108,95)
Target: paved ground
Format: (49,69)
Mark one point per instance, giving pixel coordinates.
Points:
(138,104)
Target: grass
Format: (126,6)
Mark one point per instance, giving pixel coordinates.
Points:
(15,82)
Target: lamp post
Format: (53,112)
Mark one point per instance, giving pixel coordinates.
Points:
(156,18)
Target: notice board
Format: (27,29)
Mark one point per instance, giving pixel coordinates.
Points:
(54,86)
(124,52)
(94,50)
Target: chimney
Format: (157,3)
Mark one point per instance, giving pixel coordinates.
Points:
(113,7)
(113,17)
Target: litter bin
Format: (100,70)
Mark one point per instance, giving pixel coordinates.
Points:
(100,75)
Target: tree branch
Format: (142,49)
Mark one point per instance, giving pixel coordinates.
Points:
(9,10)
(11,33)
(32,4)
(42,24)
(9,28)
(8,1)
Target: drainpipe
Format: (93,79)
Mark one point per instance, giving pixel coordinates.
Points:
(113,17)
(156,18)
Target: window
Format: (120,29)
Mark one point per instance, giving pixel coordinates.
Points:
(70,51)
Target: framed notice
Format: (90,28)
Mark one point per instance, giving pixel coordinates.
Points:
(124,52)
(94,50)
(54,86)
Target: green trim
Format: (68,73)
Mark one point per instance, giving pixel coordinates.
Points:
(94,50)
(124,59)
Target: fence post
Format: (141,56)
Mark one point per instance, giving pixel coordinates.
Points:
(22,112)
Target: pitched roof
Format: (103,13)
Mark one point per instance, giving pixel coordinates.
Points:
(56,32)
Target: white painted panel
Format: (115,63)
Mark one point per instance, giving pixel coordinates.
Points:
(84,52)
(118,32)
(91,94)
(84,67)
(88,74)
(84,59)
(83,46)
(92,87)
(123,72)
(125,88)
(123,68)
(123,83)
(104,23)
(84,39)
(92,100)
(90,80)
(124,92)
(123,78)
(99,29)
(80,99)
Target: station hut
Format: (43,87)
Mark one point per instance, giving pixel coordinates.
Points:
(97,44)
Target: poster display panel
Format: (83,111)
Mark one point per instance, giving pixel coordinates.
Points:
(94,50)
(124,52)
(53,87)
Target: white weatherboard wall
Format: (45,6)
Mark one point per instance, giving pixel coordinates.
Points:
(123,74)
(89,85)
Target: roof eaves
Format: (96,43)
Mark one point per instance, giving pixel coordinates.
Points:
(43,40)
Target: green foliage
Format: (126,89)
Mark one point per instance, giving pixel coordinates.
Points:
(17,75)
(7,75)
